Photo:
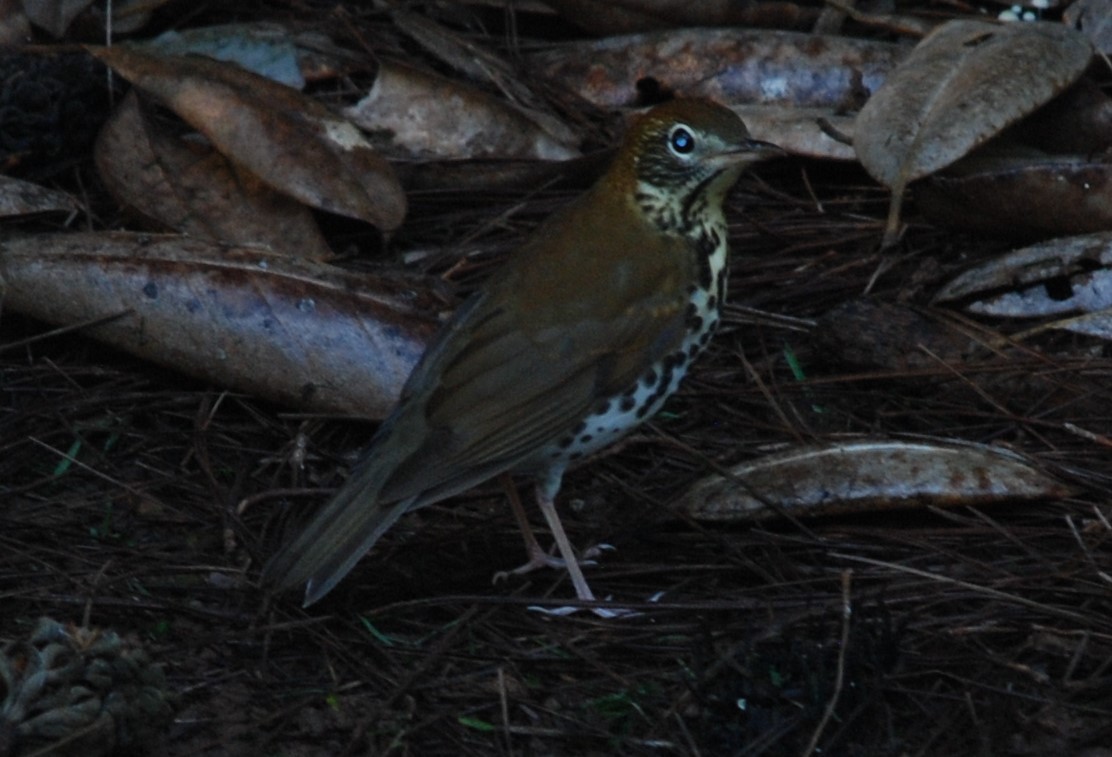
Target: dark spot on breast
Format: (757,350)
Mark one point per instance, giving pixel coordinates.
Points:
(712,302)
(694,323)
(580,427)
(694,351)
(705,273)
(151,290)
(649,379)
(565,442)
(602,407)
(627,403)
(585,438)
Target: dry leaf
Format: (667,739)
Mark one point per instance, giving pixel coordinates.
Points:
(732,66)
(291,142)
(293,331)
(1021,197)
(20,198)
(422,115)
(867,476)
(196,191)
(1066,275)
(958,88)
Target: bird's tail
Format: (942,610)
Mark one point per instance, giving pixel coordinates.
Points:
(334,540)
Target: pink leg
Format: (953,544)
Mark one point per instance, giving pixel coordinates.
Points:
(538,558)
(546,500)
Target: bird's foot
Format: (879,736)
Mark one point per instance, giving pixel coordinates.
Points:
(538,559)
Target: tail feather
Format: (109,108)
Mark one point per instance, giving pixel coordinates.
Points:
(334,540)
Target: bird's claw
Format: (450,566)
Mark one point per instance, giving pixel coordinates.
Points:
(539,559)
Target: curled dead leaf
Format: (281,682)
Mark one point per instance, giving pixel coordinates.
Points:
(290,141)
(868,475)
(195,190)
(961,86)
(1066,275)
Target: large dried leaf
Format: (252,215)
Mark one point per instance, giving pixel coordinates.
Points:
(196,190)
(865,476)
(291,142)
(732,66)
(421,115)
(296,332)
(958,88)
(1021,197)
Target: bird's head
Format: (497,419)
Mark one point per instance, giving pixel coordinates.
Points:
(683,156)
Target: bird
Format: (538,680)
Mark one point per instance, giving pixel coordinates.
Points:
(577,339)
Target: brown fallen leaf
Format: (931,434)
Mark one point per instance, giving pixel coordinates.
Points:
(867,475)
(195,190)
(961,86)
(20,198)
(416,114)
(296,332)
(290,141)
(732,66)
(1021,196)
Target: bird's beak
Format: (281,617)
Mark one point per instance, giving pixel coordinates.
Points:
(749,151)
(763,149)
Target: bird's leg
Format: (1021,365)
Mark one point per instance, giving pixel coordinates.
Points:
(546,501)
(538,558)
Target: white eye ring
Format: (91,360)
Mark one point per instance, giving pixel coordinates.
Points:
(681,140)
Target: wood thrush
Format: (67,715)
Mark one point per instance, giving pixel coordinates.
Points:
(578,339)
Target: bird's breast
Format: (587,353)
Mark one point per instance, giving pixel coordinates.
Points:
(614,416)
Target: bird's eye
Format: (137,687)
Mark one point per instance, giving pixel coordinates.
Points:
(681,141)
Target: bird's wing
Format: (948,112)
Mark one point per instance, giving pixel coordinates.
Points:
(505,383)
